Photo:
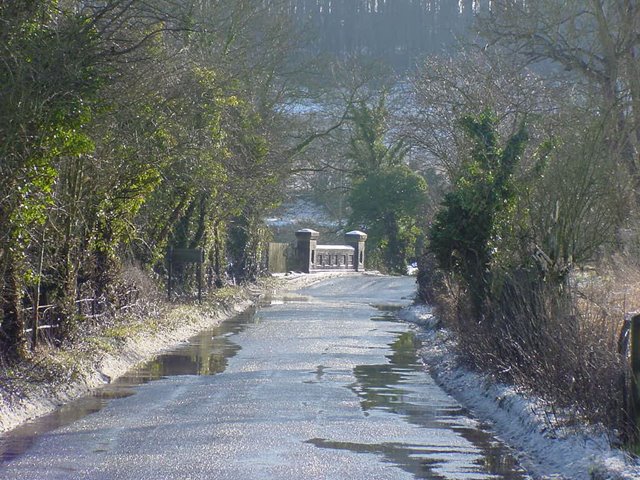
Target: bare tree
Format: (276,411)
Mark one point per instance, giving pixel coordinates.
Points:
(446,89)
(595,42)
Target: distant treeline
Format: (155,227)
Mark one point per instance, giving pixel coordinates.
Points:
(397,31)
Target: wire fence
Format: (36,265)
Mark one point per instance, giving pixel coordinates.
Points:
(47,319)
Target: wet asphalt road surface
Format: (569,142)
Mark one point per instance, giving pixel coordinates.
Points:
(321,384)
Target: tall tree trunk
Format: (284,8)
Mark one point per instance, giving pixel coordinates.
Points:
(161,232)
(67,289)
(217,254)
(105,266)
(15,342)
(65,304)
(201,228)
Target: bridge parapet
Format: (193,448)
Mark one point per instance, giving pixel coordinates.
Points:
(315,258)
(357,239)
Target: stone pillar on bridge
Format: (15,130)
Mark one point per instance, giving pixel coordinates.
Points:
(356,239)
(307,241)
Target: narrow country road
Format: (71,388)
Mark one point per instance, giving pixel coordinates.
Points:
(321,384)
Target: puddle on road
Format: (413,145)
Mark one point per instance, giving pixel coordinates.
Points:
(207,353)
(281,299)
(388,308)
(399,388)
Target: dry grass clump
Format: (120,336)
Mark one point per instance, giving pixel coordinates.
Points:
(566,342)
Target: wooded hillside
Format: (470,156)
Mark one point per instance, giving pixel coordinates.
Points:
(398,32)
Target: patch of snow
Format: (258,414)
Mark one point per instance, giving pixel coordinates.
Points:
(302,107)
(412,269)
(301,212)
(517,419)
(334,247)
(421,315)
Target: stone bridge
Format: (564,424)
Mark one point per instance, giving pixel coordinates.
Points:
(307,256)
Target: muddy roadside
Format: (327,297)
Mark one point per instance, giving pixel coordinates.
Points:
(57,376)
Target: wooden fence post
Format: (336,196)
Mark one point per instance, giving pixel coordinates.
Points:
(635,373)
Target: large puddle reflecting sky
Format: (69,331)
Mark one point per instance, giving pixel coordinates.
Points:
(397,386)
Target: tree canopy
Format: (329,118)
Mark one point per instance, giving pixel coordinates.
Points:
(108,159)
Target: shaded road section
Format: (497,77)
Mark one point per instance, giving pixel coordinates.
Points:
(321,384)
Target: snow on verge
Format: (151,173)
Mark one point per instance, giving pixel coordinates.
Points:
(301,212)
(516,418)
